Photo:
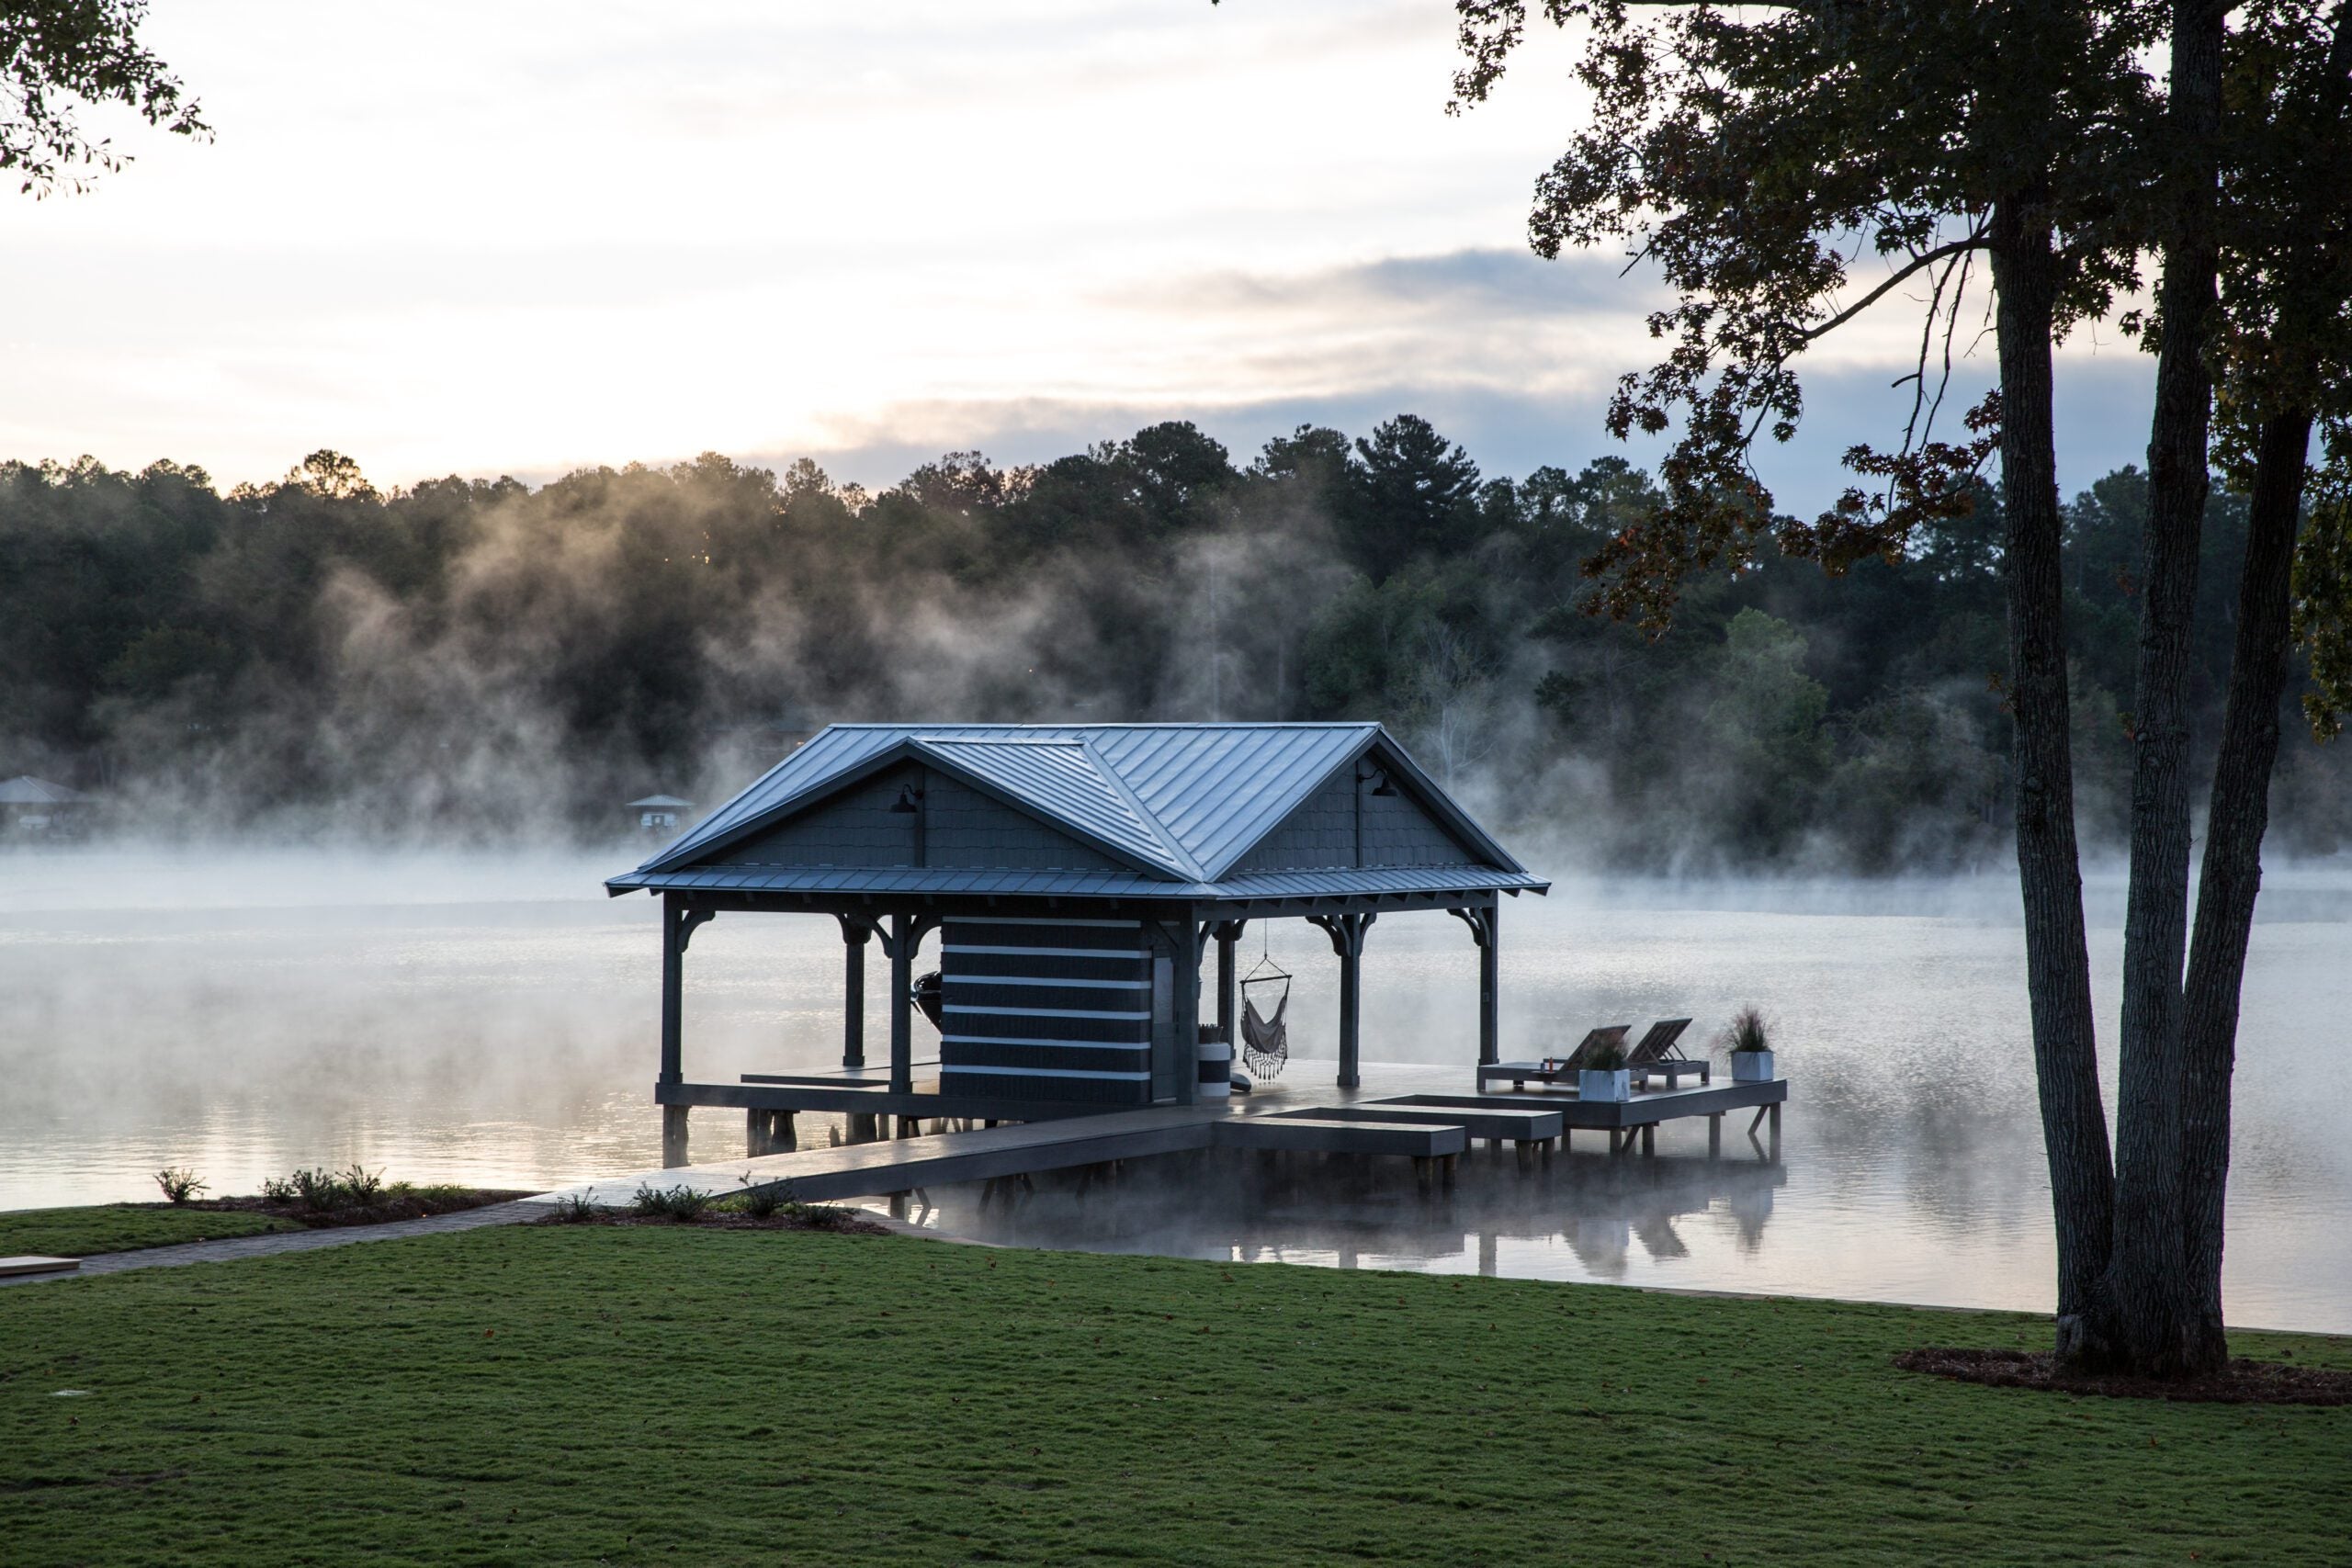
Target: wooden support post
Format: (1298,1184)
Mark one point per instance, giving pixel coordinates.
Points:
(1776,1132)
(900,939)
(679,919)
(673,989)
(1490,993)
(1715,1135)
(1175,945)
(1649,1137)
(856,933)
(1229,1015)
(768,1132)
(1185,1009)
(1346,932)
(1483,931)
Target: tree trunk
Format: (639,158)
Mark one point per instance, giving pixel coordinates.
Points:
(2154,1304)
(2058,975)
(2231,874)
(2240,810)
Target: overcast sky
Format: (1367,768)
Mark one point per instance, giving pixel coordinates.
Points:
(523,238)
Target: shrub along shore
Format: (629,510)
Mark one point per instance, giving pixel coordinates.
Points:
(673,1394)
(307,1200)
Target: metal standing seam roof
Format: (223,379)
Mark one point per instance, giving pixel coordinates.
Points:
(1009,882)
(26,790)
(1066,779)
(1181,802)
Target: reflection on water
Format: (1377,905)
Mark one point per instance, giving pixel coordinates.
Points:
(1577,1215)
(452,1017)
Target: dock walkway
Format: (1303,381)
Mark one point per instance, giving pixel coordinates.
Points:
(901,1165)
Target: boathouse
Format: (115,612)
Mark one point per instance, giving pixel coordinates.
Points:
(1078,878)
(657,815)
(32,808)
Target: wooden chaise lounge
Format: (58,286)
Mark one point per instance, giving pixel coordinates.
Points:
(1657,1055)
(1553,1070)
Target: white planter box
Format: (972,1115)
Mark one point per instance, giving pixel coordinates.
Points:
(1617,1085)
(1751,1066)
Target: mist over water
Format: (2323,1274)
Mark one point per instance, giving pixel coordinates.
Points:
(493,1018)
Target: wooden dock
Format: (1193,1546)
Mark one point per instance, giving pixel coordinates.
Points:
(1399,1112)
(904,1165)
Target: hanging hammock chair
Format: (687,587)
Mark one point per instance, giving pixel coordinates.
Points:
(1265,1040)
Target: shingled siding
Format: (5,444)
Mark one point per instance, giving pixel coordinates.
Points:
(966,827)
(961,827)
(1321,833)
(855,828)
(1045,1009)
(1399,832)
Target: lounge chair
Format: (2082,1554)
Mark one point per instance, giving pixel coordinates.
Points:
(1657,1055)
(1553,1069)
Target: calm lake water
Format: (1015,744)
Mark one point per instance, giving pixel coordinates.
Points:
(452,1018)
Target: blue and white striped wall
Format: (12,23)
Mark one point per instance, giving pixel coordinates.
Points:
(1048,1009)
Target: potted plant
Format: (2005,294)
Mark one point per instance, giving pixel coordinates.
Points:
(1603,1076)
(1750,1036)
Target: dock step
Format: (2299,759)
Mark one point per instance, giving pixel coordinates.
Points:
(1514,1123)
(1323,1135)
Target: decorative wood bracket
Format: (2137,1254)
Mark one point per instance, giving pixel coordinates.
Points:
(1346,931)
(1480,921)
(917,928)
(688,917)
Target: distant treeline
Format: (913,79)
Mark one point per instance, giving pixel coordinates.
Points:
(478,657)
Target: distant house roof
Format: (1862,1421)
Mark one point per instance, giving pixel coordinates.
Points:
(1151,810)
(26,790)
(660,803)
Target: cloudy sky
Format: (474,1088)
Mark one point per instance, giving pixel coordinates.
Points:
(525,237)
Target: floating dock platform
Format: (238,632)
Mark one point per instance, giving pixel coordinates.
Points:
(1399,1112)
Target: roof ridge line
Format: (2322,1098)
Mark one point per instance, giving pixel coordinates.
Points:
(1224,869)
(932,748)
(1176,853)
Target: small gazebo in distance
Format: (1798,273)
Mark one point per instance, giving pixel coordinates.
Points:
(1077,875)
(36,808)
(657,816)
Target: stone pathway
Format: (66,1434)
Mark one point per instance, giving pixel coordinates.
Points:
(508,1213)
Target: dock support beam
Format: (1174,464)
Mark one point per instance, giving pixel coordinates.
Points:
(679,919)
(856,933)
(1346,932)
(769,1132)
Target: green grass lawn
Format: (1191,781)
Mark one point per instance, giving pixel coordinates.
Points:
(537,1394)
(123,1227)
